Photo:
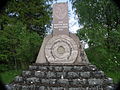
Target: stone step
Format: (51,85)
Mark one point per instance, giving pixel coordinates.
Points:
(62,77)
(47,87)
(62,67)
(68,75)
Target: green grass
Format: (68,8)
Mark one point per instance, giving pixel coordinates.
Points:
(114,75)
(9,76)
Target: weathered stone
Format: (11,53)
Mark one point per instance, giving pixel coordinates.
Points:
(98,74)
(16,87)
(72,75)
(63,81)
(52,81)
(58,68)
(92,67)
(60,74)
(108,81)
(39,73)
(79,82)
(57,88)
(18,79)
(42,88)
(67,68)
(51,68)
(42,68)
(8,87)
(51,74)
(26,73)
(78,68)
(95,81)
(75,88)
(32,80)
(45,81)
(32,67)
(48,81)
(109,88)
(85,74)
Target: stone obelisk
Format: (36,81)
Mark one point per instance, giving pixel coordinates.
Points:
(61,46)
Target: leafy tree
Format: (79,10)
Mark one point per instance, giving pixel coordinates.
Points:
(101,21)
(18,46)
(23,24)
(36,14)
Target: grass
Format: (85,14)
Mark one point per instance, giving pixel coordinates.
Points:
(9,76)
(114,75)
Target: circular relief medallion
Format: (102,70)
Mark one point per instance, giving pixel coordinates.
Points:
(60,11)
(61,49)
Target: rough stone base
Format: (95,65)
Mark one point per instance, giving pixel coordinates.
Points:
(62,77)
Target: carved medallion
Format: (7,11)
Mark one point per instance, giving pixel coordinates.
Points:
(61,49)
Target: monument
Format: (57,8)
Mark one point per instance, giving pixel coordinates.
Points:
(61,46)
(62,63)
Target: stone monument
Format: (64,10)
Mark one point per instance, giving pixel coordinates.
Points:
(62,63)
(61,46)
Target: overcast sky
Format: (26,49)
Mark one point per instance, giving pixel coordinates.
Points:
(73,23)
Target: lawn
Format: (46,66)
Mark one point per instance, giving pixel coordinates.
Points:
(9,76)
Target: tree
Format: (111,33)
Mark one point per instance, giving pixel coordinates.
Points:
(23,24)
(101,21)
(36,14)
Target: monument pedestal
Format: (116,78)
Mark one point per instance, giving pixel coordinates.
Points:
(62,77)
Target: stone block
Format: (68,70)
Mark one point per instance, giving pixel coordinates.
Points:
(72,75)
(42,88)
(39,73)
(67,68)
(16,87)
(26,73)
(98,74)
(85,74)
(32,80)
(108,81)
(78,68)
(75,88)
(43,68)
(32,67)
(63,81)
(79,82)
(51,74)
(58,88)
(58,68)
(18,79)
(95,82)
(109,88)
(92,67)
(60,75)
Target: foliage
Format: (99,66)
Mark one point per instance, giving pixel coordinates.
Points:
(101,21)
(8,77)
(18,46)
(36,14)
(23,24)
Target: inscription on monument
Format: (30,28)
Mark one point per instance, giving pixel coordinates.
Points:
(60,19)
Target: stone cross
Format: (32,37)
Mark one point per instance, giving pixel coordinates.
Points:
(60,19)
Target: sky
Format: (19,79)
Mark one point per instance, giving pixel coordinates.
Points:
(73,22)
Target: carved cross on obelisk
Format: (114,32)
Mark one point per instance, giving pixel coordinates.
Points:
(60,19)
